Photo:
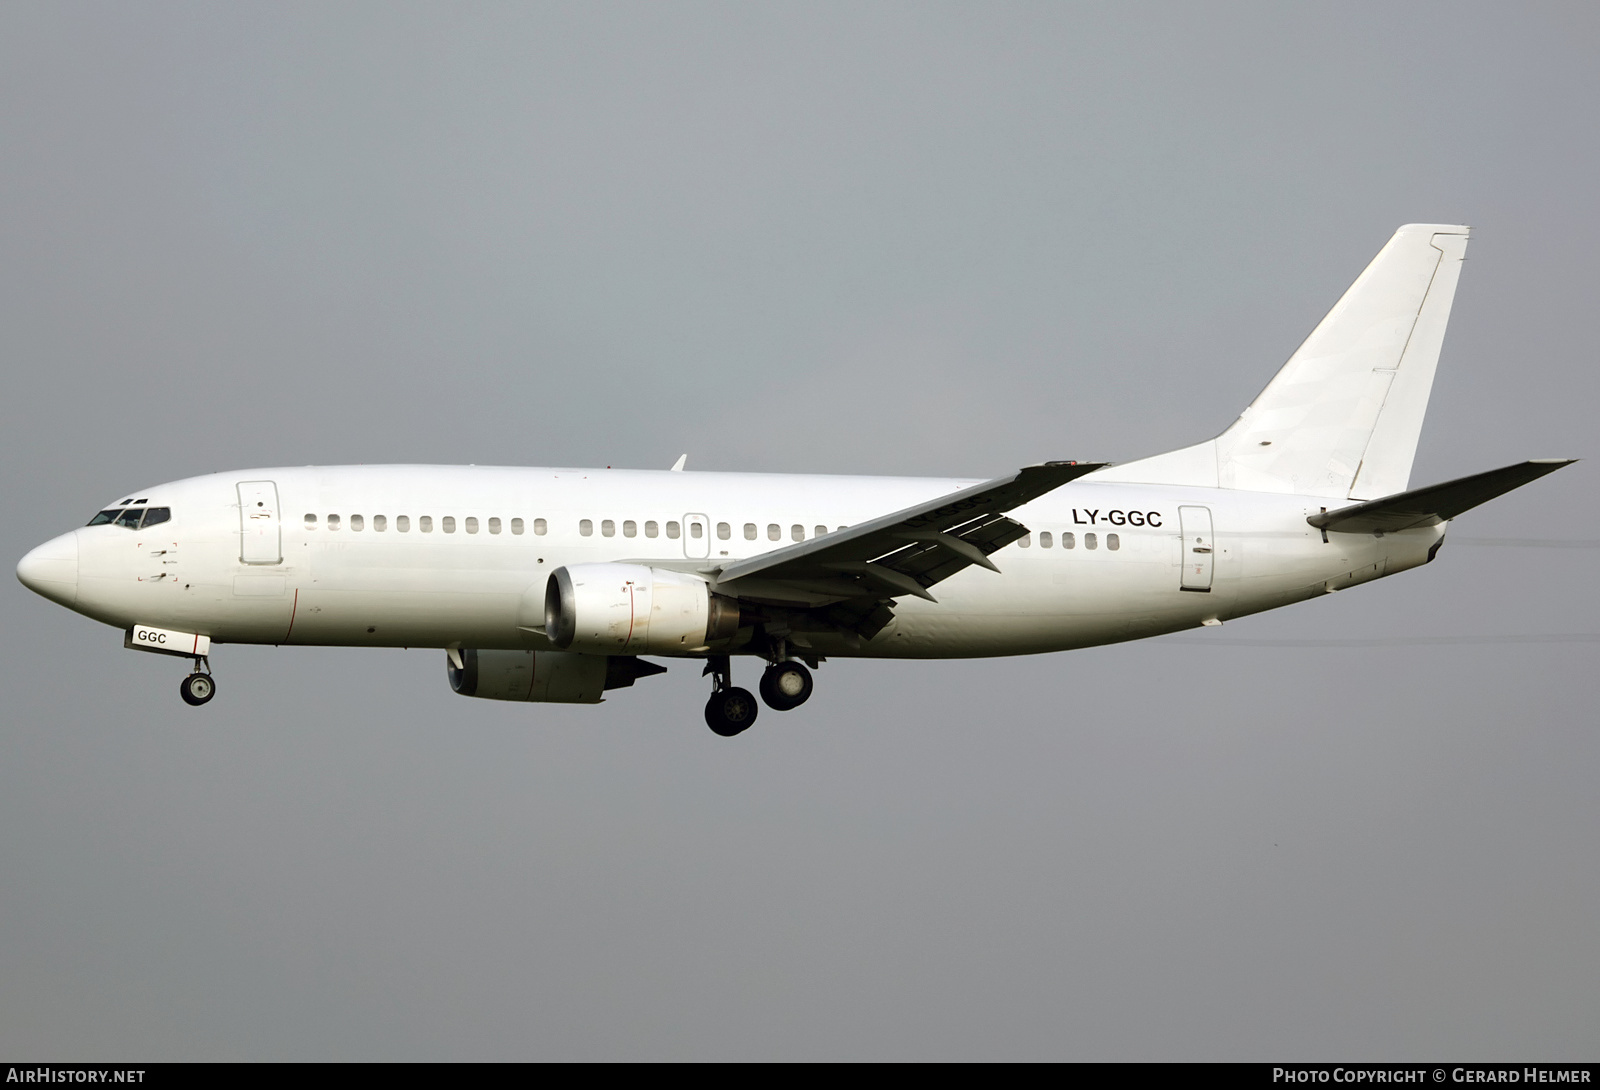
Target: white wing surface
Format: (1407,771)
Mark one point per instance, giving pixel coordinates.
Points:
(902,553)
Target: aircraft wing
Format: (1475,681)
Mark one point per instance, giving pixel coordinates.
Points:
(901,553)
(1436,503)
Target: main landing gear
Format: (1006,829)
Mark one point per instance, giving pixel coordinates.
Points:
(198,688)
(730,710)
(785,685)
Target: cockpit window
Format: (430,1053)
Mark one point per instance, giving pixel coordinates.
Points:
(130,518)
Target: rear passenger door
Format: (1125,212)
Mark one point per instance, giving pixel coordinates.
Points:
(1197,563)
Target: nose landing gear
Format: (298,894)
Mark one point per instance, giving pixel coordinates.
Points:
(198,688)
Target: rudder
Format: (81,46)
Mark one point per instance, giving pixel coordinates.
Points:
(1343,415)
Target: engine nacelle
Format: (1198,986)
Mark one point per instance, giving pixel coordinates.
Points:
(633,609)
(549,677)
(552,677)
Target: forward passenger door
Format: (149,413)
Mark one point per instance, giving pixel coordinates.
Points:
(260,536)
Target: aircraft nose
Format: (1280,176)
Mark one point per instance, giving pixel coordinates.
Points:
(52,569)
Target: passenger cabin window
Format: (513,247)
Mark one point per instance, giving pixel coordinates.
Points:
(586,527)
(820,530)
(516,526)
(333,522)
(724,531)
(749,531)
(1045,540)
(448,524)
(472,525)
(357,522)
(608,528)
(494,526)
(1024,541)
(311,521)
(380,523)
(672,530)
(1113,542)
(1069,541)
(696,530)
(402,523)
(774,532)
(1090,542)
(651,529)
(425,524)
(540,527)
(797,532)
(630,528)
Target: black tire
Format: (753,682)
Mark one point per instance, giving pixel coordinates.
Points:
(197,689)
(731,711)
(785,686)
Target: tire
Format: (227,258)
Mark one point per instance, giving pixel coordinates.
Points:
(197,689)
(785,686)
(731,711)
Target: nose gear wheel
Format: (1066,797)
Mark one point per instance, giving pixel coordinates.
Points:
(197,688)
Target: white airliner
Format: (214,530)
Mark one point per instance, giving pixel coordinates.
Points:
(548,584)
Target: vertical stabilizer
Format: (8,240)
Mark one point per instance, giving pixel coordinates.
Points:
(1342,418)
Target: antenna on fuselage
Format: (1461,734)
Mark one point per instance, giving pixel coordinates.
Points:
(677,467)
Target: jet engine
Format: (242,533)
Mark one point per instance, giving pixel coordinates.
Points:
(550,677)
(633,609)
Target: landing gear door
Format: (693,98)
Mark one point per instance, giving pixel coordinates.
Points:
(260,535)
(1197,547)
(696,536)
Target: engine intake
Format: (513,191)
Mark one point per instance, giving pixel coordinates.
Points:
(633,609)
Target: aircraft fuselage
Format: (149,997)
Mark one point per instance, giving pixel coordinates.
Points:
(441,556)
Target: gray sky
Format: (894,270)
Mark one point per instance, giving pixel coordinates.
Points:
(904,238)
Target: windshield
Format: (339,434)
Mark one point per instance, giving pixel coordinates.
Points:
(132,518)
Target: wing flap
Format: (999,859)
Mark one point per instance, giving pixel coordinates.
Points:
(905,552)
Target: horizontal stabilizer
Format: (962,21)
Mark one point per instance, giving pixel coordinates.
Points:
(1436,503)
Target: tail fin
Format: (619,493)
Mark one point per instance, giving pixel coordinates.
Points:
(1343,415)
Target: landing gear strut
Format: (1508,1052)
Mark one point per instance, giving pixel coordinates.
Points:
(730,710)
(198,687)
(785,685)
